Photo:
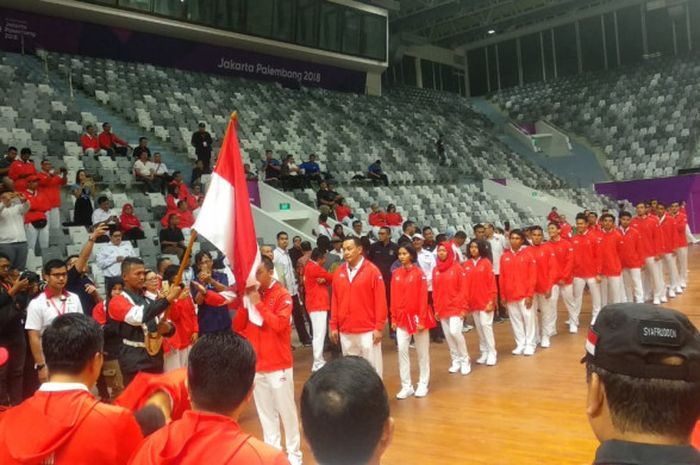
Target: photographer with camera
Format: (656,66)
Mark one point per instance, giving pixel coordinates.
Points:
(13,236)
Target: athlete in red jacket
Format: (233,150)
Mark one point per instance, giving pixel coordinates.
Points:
(647,225)
(317,282)
(681,242)
(274,375)
(481,298)
(586,270)
(632,259)
(611,266)
(668,229)
(450,305)
(411,318)
(50,184)
(547,276)
(564,254)
(518,279)
(35,220)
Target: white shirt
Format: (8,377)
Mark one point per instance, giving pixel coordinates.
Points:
(458,253)
(352,272)
(427,261)
(325,230)
(107,258)
(62,387)
(159,169)
(337,253)
(101,216)
(281,258)
(498,246)
(12,222)
(41,311)
(142,168)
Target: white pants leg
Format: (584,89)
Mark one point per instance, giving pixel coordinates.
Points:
(670,264)
(577,288)
(422,341)
(682,255)
(548,312)
(361,345)
(274,400)
(32,237)
(483,321)
(403,339)
(452,327)
(689,235)
(54,217)
(44,239)
(522,319)
(567,295)
(634,289)
(594,289)
(378,359)
(318,326)
(655,275)
(610,287)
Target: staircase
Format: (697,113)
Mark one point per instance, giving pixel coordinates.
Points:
(582,169)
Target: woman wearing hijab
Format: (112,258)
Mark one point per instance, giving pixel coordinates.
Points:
(481,298)
(450,304)
(129,224)
(412,318)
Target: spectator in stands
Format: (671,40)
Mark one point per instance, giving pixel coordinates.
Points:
(172,241)
(409,229)
(338,231)
(393,219)
(22,169)
(183,193)
(357,229)
(553,216)
(11,333)
(129,224)
(643,395)
(110,257)
(171,202)
(186,216)
(5,163)
(84,191)
(290,174)
(105,214)
(198,195)
(271,167)
(343,213)
(160,170)
(90,142)
(249,175)
(142,148)
(440,149)
(324,229)
(50,184)
(201,141)
(13,236)
(326,198)
(329,405)
(312,172)
(35,219)
(429,242)
(376,174)
(197,172)
(145,172)
(111,143)
(337,247)
(377,218)
(566,229)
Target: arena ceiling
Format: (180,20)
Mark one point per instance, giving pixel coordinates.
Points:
(455,24)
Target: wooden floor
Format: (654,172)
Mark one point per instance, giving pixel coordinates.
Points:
(525,410)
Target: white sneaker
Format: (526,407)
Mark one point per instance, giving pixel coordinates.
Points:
(405,392)
(466,367)
(664,300)
(529,351)
(657,301)
(456,365)
(679,290)
(545,342)
(467,328)
(573,329)
(421,390)
(518,351)
(481,360)
(671,294)
(491,360)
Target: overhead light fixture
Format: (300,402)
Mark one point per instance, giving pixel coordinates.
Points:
(492,31)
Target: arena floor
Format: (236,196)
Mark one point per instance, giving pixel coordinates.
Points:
(525,410)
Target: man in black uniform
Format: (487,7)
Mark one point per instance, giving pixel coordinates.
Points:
(134,316)
(383,254)
(201,141)
(643,373)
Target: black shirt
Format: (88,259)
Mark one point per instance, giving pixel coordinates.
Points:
(430,247)
(326,195)
(632,453)
(171,235)
(139,150)
(383,256)
(76,283)
(201,141)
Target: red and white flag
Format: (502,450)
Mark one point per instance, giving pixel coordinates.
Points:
(226,219)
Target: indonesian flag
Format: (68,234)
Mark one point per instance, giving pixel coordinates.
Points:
(226,219)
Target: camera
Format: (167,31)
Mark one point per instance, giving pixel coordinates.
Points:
(30,276)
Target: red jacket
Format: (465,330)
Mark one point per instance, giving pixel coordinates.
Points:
(108,140)
(648,232)
(566,230)
(50,185)
(631,253)
(564,255)
(480,284)
(145,385)
(183,315)
(273,340)
(667,230)
(342,212)
(450,291)
(358,306)
(377,219)
(586,255)
(38,206)
(19,171)
(681,223)
(394,219)
(67,428)
(409,299)
(547,267)
(518,274)
(89,142)
(98,313)
(610,246)
(317,296)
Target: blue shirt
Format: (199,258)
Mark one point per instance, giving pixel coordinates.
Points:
(374,168)
(310,167)
(213,319)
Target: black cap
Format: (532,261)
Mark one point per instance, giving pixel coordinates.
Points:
(630,339)
(202,125)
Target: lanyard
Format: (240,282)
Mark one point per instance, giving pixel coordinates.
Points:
(62,310)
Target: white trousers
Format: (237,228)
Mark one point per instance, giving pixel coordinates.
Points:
(483,322)
(610,290)
(632,282)
(548,313)
(673,276)
(274,400)
(689,235)
(567,295)
(682,255)
(35,235)
(452,327)
(176,358)
(54,218)
(422,341)
(318,326)
(653,279)
(91,152)
(522,319)
(362,345)
(594,288)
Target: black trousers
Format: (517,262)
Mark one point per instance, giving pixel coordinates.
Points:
(380,178)
(500,308)
(205,157)
(436,333)
(12,373)
(300,319)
